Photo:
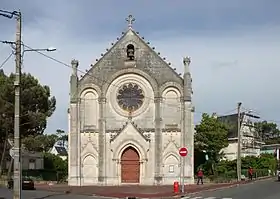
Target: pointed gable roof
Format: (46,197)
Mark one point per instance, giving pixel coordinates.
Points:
(114,58)
(139,130)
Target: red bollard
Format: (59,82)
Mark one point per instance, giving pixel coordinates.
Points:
(176,187)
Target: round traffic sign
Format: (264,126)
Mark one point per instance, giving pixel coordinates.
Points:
(183,151)
(12,152)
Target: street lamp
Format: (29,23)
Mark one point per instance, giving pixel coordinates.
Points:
(50,49)
(17,83)
(17,150)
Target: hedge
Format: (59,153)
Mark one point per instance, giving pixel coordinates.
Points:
(46,175)
(225,170)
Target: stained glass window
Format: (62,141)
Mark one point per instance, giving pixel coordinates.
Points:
(130,97)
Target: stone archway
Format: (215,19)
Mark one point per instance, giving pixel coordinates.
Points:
(130,166)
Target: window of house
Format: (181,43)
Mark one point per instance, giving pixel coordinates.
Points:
(31,164)
(171,168)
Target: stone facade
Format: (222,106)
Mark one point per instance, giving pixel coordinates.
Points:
(128,117)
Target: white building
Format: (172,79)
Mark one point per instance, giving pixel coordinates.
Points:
(127,116)
(250,144)
(60,151)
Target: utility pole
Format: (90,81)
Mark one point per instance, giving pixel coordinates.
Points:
(238,159)
(17,141)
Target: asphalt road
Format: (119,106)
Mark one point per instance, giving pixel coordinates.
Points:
(264,189)
(34,194)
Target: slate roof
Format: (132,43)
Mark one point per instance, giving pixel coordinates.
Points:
(61,150)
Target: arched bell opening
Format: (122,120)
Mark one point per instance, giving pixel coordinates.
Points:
(130,50)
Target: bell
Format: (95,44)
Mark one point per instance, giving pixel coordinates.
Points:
(130,54)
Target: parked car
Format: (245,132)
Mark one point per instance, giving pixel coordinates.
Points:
(278,175)
(27,183)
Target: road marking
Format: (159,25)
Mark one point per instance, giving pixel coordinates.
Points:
(199,197)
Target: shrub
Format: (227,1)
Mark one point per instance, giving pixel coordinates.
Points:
(225,170)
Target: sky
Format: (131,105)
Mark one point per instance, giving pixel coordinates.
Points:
(233,46)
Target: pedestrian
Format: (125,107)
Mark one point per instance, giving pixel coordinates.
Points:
(199,176)
(250,173)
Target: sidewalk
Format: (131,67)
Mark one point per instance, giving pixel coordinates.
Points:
(141,191)
(125,191)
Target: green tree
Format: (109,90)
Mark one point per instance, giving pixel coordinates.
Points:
(62,137)
(37,105)
(211,136)
(268,132)
(55,163)
(40,143)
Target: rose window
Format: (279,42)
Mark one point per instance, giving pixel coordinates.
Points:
(130,97)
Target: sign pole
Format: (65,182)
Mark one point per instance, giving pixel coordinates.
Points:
(183,175)
(183,153)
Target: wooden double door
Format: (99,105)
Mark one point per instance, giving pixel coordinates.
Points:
(130,166)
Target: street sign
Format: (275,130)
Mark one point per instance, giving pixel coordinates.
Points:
(12,152)
(183,152)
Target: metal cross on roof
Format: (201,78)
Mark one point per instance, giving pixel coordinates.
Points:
(130,19)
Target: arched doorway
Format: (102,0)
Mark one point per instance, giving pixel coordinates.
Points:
(130,166)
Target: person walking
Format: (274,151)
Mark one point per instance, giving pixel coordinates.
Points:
(199,176)
(250,173)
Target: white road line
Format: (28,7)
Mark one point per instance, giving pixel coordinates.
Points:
(199,197)
(186,197)
(210,198)
(226,198)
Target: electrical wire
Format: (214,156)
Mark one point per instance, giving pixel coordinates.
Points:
(258,113)
(6,60)
(117,86)
(84,73)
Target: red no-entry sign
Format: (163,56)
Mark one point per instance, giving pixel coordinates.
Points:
(183,151)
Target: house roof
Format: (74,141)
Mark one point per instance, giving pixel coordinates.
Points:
(61,150)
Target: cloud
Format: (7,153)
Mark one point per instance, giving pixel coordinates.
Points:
(233,44)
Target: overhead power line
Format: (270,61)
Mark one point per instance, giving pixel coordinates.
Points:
(5,61)
(105,81)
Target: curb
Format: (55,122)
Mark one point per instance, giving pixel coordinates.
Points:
(226,186)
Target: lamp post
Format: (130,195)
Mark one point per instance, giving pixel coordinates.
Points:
(17,82)
(17,152)
(19,55)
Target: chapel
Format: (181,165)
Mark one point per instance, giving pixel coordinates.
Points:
(128,117)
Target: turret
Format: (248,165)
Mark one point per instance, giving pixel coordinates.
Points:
(74,81)
(187,80)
